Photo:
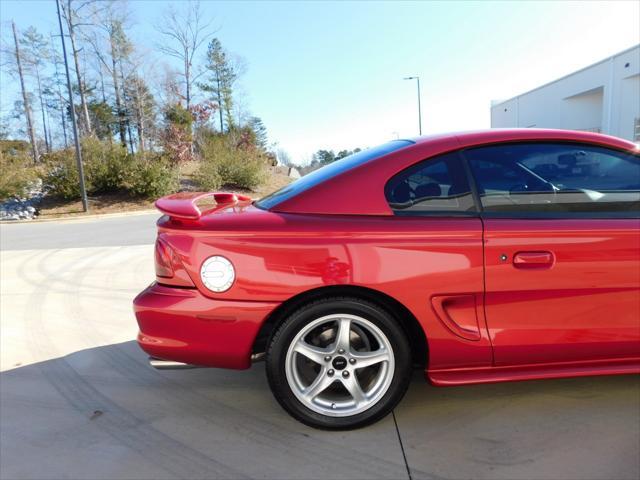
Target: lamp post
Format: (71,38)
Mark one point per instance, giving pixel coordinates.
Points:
(417,78)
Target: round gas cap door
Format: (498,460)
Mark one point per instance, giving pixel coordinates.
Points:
(217,274)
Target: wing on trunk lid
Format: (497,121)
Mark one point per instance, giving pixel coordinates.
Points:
(183,204)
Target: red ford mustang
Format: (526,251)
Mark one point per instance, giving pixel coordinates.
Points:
(478,257)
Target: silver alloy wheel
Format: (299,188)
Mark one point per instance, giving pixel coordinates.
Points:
(327,378)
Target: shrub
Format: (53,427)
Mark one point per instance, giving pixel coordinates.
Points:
(61,178)
(107,165)
(153,177)
(14,147)
(17,174)
(208,177)
(244,171)
(226,165)
(109,168)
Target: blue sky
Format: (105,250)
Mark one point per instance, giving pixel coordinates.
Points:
(329,74)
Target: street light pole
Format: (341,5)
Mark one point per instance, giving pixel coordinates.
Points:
(417,78)
(83,190)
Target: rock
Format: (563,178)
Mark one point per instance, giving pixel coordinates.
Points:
(24,208)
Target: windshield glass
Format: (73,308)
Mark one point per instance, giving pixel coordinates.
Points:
(329,171)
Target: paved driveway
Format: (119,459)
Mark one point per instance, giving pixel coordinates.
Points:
(77,399)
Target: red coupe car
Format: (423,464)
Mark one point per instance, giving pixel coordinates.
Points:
(477,257)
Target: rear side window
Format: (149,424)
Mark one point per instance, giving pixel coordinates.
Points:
(555,178)
(329,171)
(438,185)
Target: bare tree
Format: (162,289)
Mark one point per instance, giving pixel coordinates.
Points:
(169,92)
(58,81)
(110,19)
(140,98)
(25,97)
(36,51)
(284,158)
(72,11)
(185,32)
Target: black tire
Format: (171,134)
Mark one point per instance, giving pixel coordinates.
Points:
(286,332)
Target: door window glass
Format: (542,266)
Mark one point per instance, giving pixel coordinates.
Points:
(542,177)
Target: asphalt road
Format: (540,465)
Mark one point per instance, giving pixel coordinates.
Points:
(133,229)
(77,399)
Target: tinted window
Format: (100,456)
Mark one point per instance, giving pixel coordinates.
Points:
(539,177)
(436,185)
(329,171)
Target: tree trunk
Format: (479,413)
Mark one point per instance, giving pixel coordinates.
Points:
(83,103)
(25,99)
(139,119)
(64,126)
(63,115)
(219,95)
(104,94)
(131,147)
(187,80)
(49,128)
(187,76)
(127,117)
(42,109)
(116,88)
(141,132)
(104,100)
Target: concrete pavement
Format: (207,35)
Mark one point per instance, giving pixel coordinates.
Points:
(77,399)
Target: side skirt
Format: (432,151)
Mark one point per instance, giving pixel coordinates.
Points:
(470,376)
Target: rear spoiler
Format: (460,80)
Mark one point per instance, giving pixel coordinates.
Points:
(183,204)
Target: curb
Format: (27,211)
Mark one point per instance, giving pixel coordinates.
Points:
(80,217)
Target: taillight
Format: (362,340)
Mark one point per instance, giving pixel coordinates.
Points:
(164,260)
(169,267)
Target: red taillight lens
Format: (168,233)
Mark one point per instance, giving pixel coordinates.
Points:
(164,260)
(169,267)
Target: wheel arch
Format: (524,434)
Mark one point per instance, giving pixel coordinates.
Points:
(414,331)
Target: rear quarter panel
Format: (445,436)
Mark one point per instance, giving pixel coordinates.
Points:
(278,256)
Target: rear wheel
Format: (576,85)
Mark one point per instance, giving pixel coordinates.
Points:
(339,363)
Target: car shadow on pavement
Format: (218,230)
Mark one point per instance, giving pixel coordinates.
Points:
(104,413)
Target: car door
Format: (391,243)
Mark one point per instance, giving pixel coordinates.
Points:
(562,251)
(440,238)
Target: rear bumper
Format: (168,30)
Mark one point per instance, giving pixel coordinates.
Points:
(183,325)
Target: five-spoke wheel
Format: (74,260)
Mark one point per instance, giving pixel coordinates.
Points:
(339,363)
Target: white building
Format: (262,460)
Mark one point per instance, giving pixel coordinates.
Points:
(603,97)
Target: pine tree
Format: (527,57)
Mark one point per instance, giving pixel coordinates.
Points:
(222,76)
(260,132)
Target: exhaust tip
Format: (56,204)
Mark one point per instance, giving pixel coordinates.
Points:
(258,357)
(160,364)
